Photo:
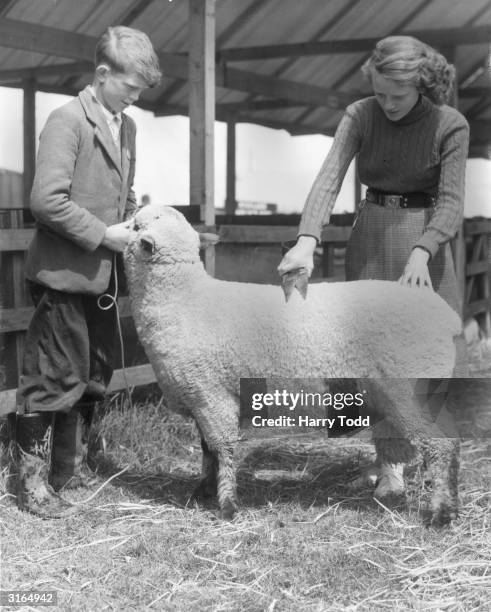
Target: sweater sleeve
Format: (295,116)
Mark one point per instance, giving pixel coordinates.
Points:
(449,209)
(322,196)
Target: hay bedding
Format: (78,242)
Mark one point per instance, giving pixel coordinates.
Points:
(302,541)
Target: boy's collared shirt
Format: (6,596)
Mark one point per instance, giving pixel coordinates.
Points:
(113,120)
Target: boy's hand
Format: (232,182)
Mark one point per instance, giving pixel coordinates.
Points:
(117,236)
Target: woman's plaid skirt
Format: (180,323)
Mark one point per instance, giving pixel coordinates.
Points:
(380,244)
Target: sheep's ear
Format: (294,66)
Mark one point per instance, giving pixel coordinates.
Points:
(206,240)
(147,243)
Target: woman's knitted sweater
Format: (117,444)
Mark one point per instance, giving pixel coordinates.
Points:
(425,151)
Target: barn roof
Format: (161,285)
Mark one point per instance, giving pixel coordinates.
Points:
(292,64)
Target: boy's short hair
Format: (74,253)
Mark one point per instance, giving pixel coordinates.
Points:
(125,49)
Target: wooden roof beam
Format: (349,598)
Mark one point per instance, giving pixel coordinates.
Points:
(258,105)
(232,110)
(223,114)
(221,39)
(45,40)
(284,89)
(403,23)
(39,72)
(61,43)
(42,39)
(451,36)
(9,77)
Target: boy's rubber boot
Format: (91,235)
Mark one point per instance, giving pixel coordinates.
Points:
(69,468)
(34,493)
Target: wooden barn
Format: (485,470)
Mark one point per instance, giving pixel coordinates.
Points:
(285,64)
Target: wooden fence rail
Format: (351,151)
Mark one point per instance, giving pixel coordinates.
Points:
(14,319)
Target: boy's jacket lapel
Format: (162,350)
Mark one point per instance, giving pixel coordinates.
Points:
(125,148)
(101,129)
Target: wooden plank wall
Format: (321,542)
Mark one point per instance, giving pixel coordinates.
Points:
(12,285)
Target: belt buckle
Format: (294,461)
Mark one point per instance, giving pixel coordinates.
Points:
(393,201)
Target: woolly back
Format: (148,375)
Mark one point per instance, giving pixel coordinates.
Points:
(407,60)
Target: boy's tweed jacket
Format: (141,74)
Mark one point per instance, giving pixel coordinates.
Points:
(82,185)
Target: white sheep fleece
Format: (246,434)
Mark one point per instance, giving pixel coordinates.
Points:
(195,327)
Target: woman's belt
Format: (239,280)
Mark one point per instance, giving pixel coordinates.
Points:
(400,200)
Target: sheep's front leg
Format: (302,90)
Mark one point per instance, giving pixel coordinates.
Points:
(227,483)
(217,421)
(218,479)
(207,487)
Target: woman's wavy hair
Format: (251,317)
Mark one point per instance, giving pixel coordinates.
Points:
(125,49)
(408,60)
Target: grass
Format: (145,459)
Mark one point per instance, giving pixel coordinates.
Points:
(303,540)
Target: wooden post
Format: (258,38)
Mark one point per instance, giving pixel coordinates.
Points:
(202,112)
(458,243)
(29,137)
(230,201)
(12,282)
(14,268)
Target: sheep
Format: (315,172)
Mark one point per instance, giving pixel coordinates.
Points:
(203,335)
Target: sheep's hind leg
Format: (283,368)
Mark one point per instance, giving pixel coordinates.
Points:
(392,452)
(412,419)
(442,456)
(207,487)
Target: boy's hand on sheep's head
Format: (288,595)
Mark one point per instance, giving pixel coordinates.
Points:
(117,236)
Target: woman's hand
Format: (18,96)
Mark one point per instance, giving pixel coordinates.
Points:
(416,273)
(299,256)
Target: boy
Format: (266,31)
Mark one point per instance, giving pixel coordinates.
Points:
(81,195)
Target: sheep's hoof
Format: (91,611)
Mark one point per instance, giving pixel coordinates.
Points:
(368,478)
(228,510)
(390,486)
(441,516)
(395,501)
(391,492)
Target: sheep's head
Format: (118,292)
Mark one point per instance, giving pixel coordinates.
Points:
(161,234)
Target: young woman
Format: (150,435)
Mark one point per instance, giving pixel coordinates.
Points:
(412,149)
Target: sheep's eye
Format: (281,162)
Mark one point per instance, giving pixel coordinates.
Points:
(136,227)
